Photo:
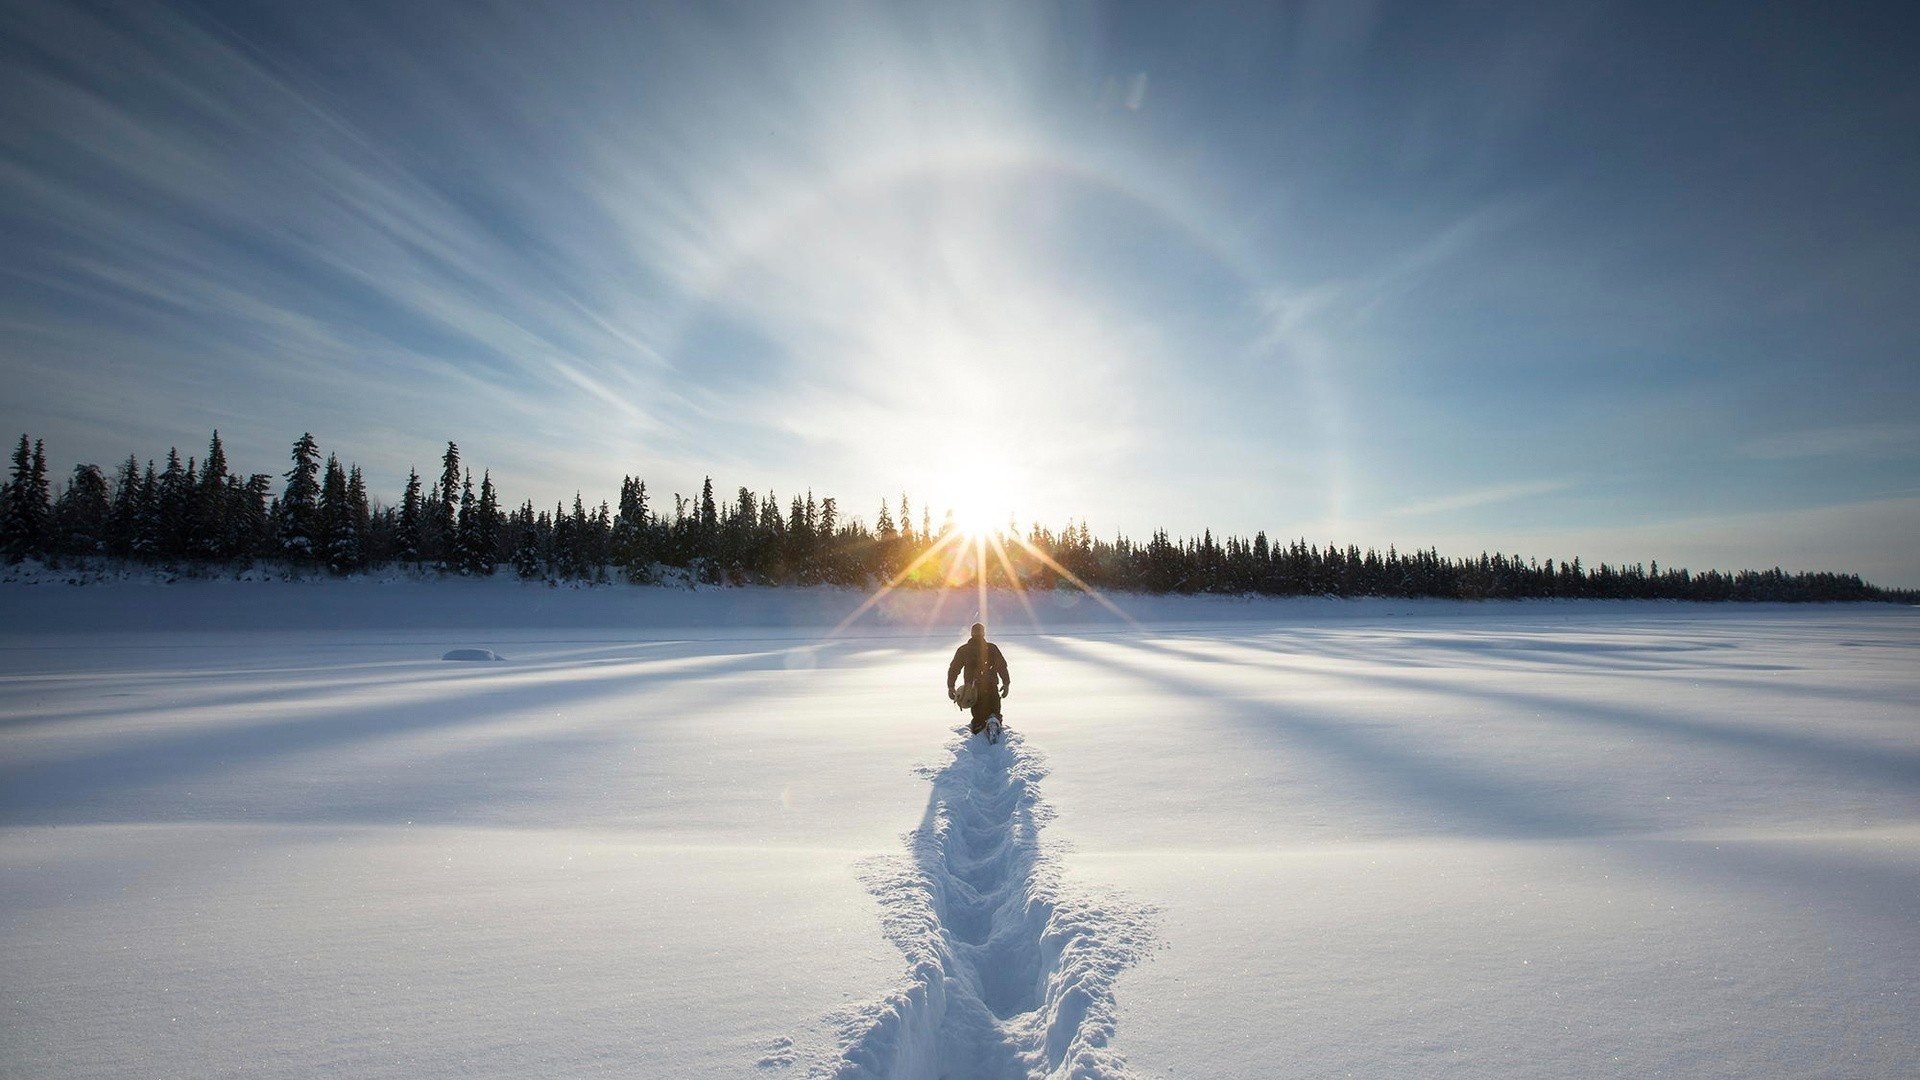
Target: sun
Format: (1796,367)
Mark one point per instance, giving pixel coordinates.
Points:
(978,548)
(977,503)
(977,520)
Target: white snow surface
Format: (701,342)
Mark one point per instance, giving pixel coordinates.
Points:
(256,828)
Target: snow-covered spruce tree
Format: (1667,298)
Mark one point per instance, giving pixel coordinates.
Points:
(446,510)
(799,544)
(383,522)
(430,539)
(299,507)
(209,526)
(527,543)
(600,534)
(486,533)
(350,542)
(741,542)
(39,501)
(464,555)
(562,551)
(174,504)
(255,535)
(709,519)
(330,536)
(586,535)
(80,513)
(827,546)
(26,516)
(632,546)
(573,553)
(878,558)
(122,520)
(771,558)
(407,531)
(146,516)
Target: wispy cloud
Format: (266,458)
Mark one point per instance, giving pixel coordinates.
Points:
(1849,441)
(1196,271)
(850,194)
(1479,497)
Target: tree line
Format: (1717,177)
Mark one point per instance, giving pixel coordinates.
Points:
(321,516)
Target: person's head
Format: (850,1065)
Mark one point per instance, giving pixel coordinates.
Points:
(979,631)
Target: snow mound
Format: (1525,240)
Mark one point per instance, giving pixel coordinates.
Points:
(1010,975)
(472,654)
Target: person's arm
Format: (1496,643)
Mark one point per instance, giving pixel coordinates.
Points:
(1000,669)
(953,669)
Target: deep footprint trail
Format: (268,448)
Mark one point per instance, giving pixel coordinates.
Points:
(1010,975)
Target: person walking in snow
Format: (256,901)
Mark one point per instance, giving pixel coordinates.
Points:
(984,679)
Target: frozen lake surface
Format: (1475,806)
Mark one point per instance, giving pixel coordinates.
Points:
(265,830)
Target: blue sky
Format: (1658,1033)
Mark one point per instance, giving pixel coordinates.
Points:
(1628,281)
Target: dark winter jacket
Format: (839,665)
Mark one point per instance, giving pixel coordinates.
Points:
(979,660)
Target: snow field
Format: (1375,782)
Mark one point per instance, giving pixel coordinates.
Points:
(698,834)
(1655,842)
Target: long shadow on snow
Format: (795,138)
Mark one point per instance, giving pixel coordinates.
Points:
(264,686)
(1443,648)
(51,792)
(1707,669)
(1453,794)
(1901,768)
(1783,873)
(1009,977)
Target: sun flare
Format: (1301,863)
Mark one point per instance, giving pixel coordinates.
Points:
(978,503)
(978,521)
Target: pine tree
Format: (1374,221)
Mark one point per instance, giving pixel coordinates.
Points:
(175,506)
(333,539)
(123,519)
(209,532)
(631,548)
(299,509)
(344,516)
(527,558)
(359,520)
(39,500)
(799,542)
(570,539)
(407,533)
(447,508)
(215,471)
(599,534)
(486,534)
(249,505)
(80,514)
(707,534)
(466,523)
(26,516)
(148,525)
(827,555)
